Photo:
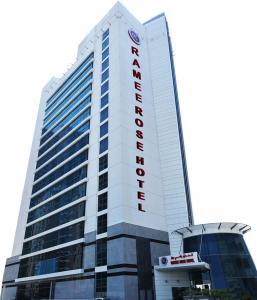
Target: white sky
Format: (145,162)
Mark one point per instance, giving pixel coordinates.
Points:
(215,47)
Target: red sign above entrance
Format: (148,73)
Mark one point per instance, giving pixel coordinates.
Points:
(185,258)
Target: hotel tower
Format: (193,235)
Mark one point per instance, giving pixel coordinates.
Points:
(107,177)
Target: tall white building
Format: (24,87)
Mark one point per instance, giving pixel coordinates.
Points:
(107,177)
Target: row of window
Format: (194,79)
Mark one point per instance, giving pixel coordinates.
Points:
(62,109)
(101,244)
(66,119)
(66,130)
(81,96)
(62,157)
(63,144)
(63,184)
(65,259)
(74,231)
(35,290)
(81,78)
(76,92)
(105,99)
(61,236)
(70,79)
(71,164)
(64,216)
(60,201)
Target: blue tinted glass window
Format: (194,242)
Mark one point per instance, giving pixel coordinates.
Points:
(104,114)
(69,139)
(105,64)
(101,284)
(34,290)
(228,257)
(105,53)
(76,92)
(103,145)
(63,156)
(103,129)
(83,116)
(102,223)
(68,127)
(69,80)
(70,88)
(84,103)
(103,162)
(71,164)
(105,43)
(104,100)
(61,236)
(105,75)
(60,201)
(103,199)
(64,216)
(71,179)
(101,252)
(105,87)
(105,34)
(68,258)
(103,181)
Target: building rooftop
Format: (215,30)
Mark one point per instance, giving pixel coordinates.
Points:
(220,227)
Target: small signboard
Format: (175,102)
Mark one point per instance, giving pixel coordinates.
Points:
(185,258)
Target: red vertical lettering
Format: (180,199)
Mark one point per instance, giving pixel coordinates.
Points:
(136,74)
(137,86)
(138,97)
(134,50)
(139,134)
(140,160)
(136,63)
(140,207)
(140,146)
(140,172)
(139,122)
(140,183)
(139,111)
(141,195)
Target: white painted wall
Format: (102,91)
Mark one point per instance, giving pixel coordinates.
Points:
(164,281)
(122,187)
(165,202)
(172,179)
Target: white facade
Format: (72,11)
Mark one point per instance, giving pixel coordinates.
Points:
(147,178)
(165,204)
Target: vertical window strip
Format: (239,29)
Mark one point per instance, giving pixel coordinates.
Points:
(101,245)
